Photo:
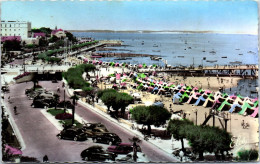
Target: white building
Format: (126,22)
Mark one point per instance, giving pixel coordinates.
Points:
(16,28)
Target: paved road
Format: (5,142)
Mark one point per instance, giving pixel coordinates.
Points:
(39,134)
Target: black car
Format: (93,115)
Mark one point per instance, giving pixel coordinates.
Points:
(96,153)
(41,103)
(72,134)
(107,138)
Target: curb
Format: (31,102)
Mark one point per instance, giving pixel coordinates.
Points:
(14,126)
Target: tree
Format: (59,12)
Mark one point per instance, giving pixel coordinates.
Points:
(150,115)
(88,68)
(135,141)
(70,36)
(56,99)
(108,99)
(207,139)
(177,129)
(12,45)
(74,99)
(123,99)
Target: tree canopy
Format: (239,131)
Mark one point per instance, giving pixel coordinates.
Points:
(201,138)
(150,115)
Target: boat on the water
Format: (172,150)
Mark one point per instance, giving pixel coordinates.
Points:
(155,45)
(123,58)
(155,58)
(240,54)
(236,62)
(211,61)
(156,50)
(213,52)
(224,57)
(180,56)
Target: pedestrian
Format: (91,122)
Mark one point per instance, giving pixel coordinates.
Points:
(58,89)
(45,159)
(15,110)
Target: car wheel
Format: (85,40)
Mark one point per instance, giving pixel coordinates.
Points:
(110,143)
(94,140)
(59,137)
(75,138)
(32,106)
(86,158)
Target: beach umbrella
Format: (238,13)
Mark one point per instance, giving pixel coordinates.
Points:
(155,88)
(151,83)
(100,62)
(140,66)
(142,75)
(207,91)
(85,60)
(118,76)
(195,88)
(255,99)
(94,62)
(154,81)
(154,65)
(112,75)
(117,64)
(154,73)
(144,65)
(123,84)
(146,78)
(161,82)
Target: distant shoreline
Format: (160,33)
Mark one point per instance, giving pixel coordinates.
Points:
(160,32)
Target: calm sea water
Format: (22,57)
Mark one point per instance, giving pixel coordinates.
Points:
(184,49)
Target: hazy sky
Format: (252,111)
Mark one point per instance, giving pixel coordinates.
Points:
(221,16)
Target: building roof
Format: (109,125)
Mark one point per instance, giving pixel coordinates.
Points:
(55,31)
(39,34)
(5,38)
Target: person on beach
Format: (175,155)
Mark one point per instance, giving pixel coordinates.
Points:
(15,110)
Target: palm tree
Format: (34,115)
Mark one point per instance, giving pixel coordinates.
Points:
(74,98)
(135,140)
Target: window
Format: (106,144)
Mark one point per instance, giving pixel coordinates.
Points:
(5,29)
(10,25)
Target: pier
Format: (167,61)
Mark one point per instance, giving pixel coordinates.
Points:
(241,70)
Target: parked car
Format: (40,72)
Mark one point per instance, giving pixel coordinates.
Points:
(107,138)
(94,132)
(91,126)
(41,102)
(72,134)
(5,89)
(96,153)
(122,148)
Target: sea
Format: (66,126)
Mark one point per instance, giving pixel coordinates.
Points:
(180,49)
(186,49)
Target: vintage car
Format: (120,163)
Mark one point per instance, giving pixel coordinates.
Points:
(107,138)
(96,153)
(72,134)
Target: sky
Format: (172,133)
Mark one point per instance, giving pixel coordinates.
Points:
(219,16)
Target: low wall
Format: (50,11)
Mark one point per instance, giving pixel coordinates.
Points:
(25,78)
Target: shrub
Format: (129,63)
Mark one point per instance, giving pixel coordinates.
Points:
(248,155)
(63,116)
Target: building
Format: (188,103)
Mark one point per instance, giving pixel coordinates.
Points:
(16,28)
(39,35)
(59,33)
